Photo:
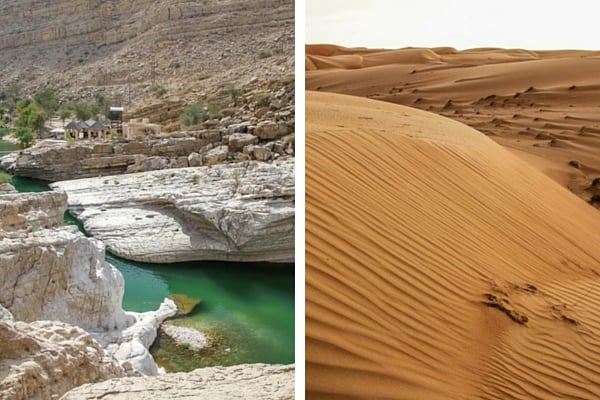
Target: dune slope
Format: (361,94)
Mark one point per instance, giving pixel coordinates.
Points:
(439,265)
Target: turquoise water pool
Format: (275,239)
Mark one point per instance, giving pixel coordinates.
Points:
(246,310)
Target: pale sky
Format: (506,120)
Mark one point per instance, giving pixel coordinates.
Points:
(462,24)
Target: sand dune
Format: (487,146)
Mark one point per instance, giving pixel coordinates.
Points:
(439,265)
(505,93)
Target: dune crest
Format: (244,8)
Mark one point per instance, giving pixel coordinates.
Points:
(543,105)
(439,265)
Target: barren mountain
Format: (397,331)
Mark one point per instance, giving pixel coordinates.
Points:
(121,48)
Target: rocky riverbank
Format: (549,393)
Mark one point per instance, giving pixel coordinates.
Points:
(54,273)
(231,212)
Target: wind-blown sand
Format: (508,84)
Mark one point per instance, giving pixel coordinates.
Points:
(543,105)
(439,265)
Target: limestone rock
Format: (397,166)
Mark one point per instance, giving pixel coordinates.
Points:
(7,187)
(195,160)
(271,130)
(31,211)
(52,160)
(53,272)
(241,212)
(261,153)
(44,359)
(247,381)
(216,155)
(130,346)
(5,314)
(39,268)
(237,141)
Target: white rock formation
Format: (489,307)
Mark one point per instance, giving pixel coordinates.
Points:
(131,345)
(44,359)
(53,272)
(233,212)
(249,381)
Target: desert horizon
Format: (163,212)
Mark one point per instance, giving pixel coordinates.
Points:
(452,223)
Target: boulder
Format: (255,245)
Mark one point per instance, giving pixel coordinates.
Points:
(216,155)
(237,141)
(194,160)
(261,153)
(271,130)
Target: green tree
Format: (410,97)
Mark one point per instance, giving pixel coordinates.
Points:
(32,117)
(85,111)
(24,135)
(64,113)
(47,99)
(9,98)
(102,103)
(193,114)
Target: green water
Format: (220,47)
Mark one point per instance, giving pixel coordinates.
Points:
(247,310)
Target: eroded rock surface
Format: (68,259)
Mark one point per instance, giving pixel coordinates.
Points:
(44,359)
(249,381)
(52,272)
(233,212)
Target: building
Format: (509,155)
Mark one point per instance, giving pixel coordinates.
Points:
(87,130)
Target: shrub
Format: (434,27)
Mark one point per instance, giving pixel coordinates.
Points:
(290,139)
(5,177)
(193,114)
(233,91)
(195,178)
(114,135)
(158,90)
(265,54)
(263,99)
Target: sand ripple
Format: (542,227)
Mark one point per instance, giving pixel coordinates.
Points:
(439,265)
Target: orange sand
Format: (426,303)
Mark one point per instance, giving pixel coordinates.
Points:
(543,105)
(439,265)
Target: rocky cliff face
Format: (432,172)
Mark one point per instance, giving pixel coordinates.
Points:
(250,381)
(85,47)
(232,212)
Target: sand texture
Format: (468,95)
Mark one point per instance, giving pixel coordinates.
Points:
(543,105)
(440,265)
